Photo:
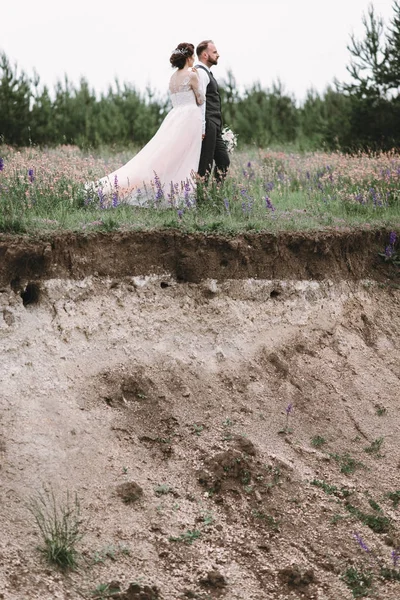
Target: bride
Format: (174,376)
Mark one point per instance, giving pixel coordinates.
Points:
(163,173)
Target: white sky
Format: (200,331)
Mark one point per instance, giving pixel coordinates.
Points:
(301,42)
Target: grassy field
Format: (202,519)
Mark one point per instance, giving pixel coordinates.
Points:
(266,190)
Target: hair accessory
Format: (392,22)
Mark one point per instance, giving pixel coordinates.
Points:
(180,51)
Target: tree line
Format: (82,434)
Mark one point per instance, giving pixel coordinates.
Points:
(362,114)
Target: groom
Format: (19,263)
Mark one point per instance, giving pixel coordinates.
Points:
(213,148)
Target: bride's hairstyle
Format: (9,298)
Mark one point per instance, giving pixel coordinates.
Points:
(180,54)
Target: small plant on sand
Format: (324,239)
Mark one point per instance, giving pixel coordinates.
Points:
(329,489)
(394,497)
(163,489)
(105,590)
(188,537)
(268,519)
(60,526)
(359,581)
(197,428)
(375,447)
(376,521)
(318,441)
(347,463)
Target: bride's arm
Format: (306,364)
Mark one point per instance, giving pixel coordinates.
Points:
(195,83)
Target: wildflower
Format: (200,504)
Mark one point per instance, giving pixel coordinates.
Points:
(361,542)
(180,214)
(171,195)
(101,197)
(1,164)
(159,189)
(360,198)
(226,204)
(389,250)
(115,193)
(289,409)
(269,204)
(186,189)
(31,175)
(269,186)
(395,558)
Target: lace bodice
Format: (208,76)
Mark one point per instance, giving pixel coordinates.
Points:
(184,88)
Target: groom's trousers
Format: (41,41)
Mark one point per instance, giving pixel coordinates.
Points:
(213,149)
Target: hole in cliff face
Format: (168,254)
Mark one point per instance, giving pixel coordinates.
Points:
(274,294)
(164,285)
(31,294)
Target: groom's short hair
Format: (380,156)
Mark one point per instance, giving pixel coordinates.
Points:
(202,46)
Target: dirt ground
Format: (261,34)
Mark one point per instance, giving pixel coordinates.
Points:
(226,411)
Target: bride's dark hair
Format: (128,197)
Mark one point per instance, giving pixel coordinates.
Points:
(180,54)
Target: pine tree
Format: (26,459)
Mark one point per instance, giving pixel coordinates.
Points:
(392,70)
(15,98)
(368,59)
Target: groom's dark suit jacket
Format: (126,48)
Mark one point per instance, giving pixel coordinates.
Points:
(213,100)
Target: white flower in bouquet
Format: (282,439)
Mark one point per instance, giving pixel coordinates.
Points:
(229,138)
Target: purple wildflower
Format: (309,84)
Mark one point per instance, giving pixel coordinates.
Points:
(289,409)
(269,186)
(115,193)
(361,542)
(160,191)
(375,197)
(1,164)
(101,197)
(186,188)
(395,558)
(226,204)
(269,204)
(389,250)
(180,214)
(360,198)
(31,175)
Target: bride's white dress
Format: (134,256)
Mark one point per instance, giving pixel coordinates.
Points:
(162,174)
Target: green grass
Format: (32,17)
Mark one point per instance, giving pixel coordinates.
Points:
(394,497)
(331,490)
(377,522)
(188,537)
(60,528)
(348,464)
(375,447)
(359,581)
(318,441)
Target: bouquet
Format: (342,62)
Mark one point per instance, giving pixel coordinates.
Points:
(229,138)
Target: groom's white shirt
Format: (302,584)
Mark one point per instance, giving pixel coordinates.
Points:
(204,80)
